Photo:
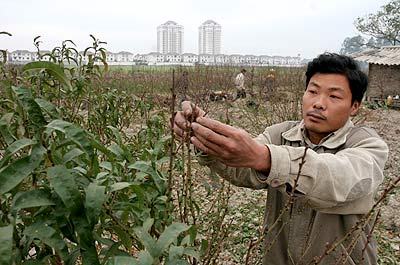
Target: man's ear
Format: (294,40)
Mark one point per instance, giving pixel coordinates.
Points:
(354,108)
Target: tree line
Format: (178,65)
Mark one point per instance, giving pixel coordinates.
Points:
(382,28)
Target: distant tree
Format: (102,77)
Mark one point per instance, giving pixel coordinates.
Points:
(359,43)
(371,42)
(353,44)
(377,42)
(382,42)
(383,25)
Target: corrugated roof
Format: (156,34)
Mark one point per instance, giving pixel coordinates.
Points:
(388,55)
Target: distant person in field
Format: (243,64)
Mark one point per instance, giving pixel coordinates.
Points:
(341,168)
(239,83)
(270,81)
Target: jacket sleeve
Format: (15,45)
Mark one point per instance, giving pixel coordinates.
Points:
(247,177)
(242,177)
(341,183)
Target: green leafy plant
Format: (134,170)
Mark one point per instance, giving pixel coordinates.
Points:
(65,196)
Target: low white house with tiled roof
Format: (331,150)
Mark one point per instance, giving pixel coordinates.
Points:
(110,57)
(139,57)
(21,56)
(156,58)
(293,61)
(173,58)
(279,61)
(190,58)
(236,59)
(266,60)
(252,60)
(153,58)
(222,59)
(207,59)
(124,57)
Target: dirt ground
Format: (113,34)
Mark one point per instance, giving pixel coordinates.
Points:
(387,123)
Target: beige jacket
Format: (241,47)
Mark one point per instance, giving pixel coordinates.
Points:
(336,187)
(239,81)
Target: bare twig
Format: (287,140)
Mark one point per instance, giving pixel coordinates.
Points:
(286,208)
(370,235)
(172,144)
(359,224)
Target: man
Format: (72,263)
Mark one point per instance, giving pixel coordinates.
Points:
(239,83)
(270,81)
(340,165)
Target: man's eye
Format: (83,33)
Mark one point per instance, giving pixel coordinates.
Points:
(312,91)
(336,97)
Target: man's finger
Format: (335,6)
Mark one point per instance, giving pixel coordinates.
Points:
(216,149)
(196,142)
(187,107)
(178,131)
(216,126)
(181,121)
(191,110)
(208,134)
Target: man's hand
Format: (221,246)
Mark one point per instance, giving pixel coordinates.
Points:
(233,147)
(182,120)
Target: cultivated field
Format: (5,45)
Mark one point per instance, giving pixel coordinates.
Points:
(91,174)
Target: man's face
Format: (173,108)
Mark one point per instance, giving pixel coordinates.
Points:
(327,104)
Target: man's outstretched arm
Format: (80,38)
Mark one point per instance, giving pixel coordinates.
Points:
(232,146)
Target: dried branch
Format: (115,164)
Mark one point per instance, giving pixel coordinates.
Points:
(358,225)
(286,208)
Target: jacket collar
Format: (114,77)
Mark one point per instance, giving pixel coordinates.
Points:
(331,141)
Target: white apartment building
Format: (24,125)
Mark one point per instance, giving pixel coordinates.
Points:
(190,58)
(252,60)
(237,59)
(173,58)
(280,61)
(22,56)
(266,60)
(210,38)
(110,57)
(124,57)
(170,38)
(207,59)
(35,56)
(222,59)
(156,58)
(140,59)
(294,61)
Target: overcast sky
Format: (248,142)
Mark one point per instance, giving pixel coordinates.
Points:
(278,27)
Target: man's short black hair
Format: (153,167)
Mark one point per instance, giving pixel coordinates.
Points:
(333,63)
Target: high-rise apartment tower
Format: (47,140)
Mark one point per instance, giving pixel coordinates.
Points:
(170,38)
(210,38)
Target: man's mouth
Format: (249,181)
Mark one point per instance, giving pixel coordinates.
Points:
(316,115)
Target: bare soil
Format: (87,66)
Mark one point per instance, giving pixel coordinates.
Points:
(387,123)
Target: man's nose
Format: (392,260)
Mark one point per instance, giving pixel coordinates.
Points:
(320,103)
